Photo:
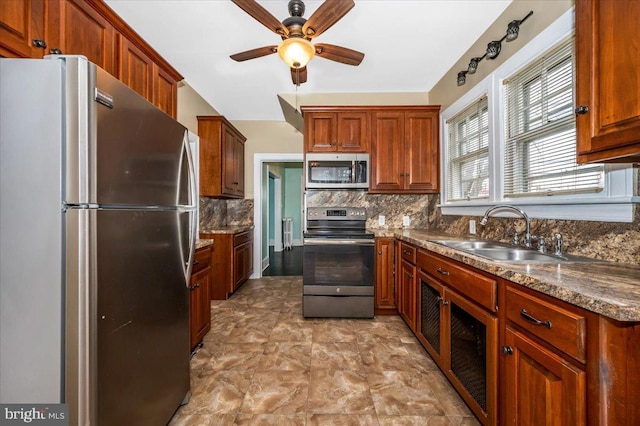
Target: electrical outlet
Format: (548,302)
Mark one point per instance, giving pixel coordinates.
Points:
(406,221)
(472,226)
(381,220)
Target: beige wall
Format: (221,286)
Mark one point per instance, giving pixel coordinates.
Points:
(190,105)
(400,98)
(265,137)
(446,91)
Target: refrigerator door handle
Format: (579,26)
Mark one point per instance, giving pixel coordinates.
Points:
(191,208)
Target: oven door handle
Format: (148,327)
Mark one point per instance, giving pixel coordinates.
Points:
(336,242)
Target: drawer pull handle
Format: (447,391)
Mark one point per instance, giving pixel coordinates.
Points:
(410,275)
(441,271)
(524,314)
(405,252)
(195,262)
(507,350)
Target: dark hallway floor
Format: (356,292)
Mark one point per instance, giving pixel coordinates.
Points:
(284,263)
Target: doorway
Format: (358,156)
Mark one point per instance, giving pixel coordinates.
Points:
(281,196)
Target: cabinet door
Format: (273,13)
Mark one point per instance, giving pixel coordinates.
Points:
(164,91)
(229,161)
(200,308)
(407,294)
(541,388)
(421,152)
(385,286)
(22,22)
(353,131)
(472,346)
(387,152)
(431,324)
(77,29)
(320,132)
(242,263)
(239,166)
(135,68)
(607,63)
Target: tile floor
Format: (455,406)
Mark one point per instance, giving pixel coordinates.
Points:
(262,363)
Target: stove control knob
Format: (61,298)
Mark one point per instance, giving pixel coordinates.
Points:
(338,290)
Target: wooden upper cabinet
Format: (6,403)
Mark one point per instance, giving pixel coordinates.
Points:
(135,68)
(22,22)
(608,83)
(221,158)
(421,151)
(387,152)
(404,150)
(164,92)
(79,29)
(330,129)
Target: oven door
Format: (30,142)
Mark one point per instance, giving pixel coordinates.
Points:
(346,263)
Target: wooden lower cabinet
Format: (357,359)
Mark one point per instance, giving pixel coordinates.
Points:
(199,299)
(407,294)
(385,299)
(231,261)
(541,387)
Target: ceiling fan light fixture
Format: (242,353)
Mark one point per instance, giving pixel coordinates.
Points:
(296,52)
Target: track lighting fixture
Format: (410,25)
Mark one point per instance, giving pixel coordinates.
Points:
(493,48)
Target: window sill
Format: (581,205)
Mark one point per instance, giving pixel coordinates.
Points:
(619,209)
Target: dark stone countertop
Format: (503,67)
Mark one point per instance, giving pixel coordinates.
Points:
(607,288)
(227,229)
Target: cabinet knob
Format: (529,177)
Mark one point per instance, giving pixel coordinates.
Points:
(441,301)
(40,44)
(507,350)
(410,275)
(55,51)
(582,109)
(379,252)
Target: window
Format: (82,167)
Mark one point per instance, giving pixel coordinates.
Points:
(511,139)
(540,134)
(469,153)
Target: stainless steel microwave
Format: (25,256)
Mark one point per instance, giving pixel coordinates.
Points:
(337,171)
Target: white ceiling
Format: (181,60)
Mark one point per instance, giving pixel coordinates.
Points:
(408,46)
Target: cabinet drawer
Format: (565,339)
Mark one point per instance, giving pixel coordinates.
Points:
(408,253)
(201,259)
(475,286)
(561,328)
(242,238)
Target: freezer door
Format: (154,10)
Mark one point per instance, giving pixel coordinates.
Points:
(138,152)
(142,315)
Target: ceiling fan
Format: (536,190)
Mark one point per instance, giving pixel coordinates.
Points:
(296,32)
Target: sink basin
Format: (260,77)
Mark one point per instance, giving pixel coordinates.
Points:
(473,245)
(504,252)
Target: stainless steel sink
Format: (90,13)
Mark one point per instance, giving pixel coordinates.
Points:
(473,245)
(504,252)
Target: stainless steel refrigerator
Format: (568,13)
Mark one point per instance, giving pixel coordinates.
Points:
(97,233)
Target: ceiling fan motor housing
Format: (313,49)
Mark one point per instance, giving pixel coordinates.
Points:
(296,8)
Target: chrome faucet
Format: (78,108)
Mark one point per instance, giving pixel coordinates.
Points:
(527,235)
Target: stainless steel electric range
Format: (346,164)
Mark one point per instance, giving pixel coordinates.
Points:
(338,269)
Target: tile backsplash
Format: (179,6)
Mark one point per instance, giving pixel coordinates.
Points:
(613,241)
(219,213)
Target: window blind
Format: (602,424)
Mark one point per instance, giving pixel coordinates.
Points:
(468,149)
(540,143)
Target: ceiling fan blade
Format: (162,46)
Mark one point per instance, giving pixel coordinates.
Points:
(263,16)
(254,53)
(325,16)
(299,75)
(339,54)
